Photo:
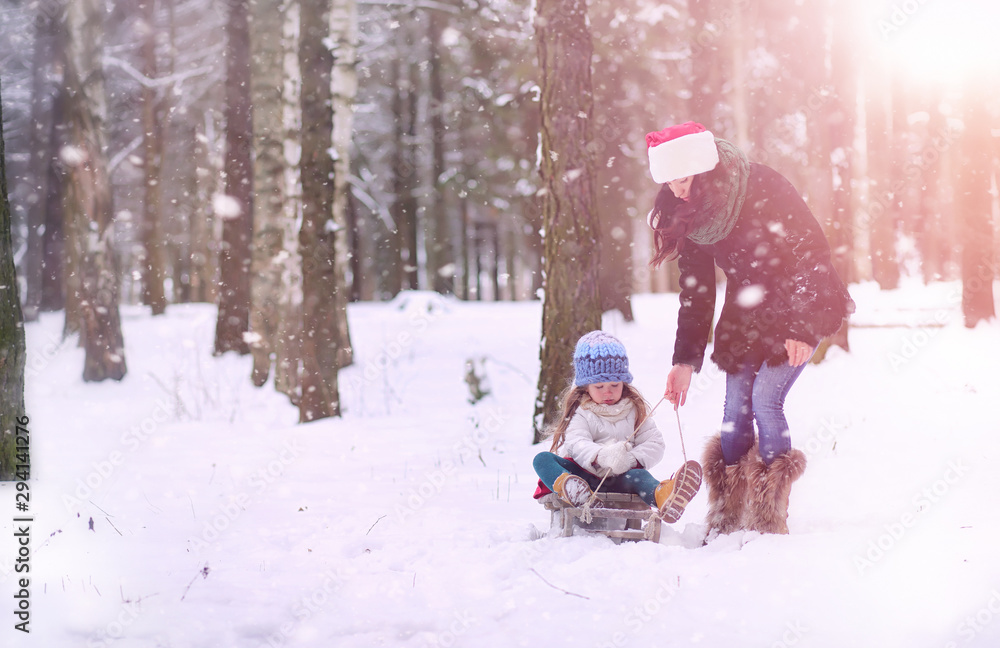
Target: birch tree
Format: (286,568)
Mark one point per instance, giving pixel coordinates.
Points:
(269,255)
(344,36)
(88,195)
(287,342)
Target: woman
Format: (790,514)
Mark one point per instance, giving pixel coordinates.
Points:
(783,296)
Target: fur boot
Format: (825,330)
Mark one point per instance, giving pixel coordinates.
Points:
(769,488)
(727,488)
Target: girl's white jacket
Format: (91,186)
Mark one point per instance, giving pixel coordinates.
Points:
(589,431)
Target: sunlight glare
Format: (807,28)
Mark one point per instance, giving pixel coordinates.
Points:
(940,41)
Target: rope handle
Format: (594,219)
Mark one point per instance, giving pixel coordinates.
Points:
(680,433)
(648,532)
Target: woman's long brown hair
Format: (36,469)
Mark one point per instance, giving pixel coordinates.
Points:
(674,219)
(574,396)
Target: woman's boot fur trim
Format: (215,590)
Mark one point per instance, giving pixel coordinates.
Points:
(727,488)
(769,489)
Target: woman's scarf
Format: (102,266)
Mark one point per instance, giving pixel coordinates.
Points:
(721,204)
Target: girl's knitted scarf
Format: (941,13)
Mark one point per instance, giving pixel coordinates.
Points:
(721,204)
(612,413)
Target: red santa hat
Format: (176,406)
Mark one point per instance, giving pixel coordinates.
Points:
(680,151)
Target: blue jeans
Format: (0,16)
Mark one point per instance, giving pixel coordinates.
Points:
(637,481)
(757,393)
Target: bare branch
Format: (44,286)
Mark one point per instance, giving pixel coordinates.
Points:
(159,82)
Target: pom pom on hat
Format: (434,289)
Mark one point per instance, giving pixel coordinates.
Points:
(680,151)
(600,358)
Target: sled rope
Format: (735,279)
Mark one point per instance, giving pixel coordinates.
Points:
(648,531)
(585,515)
(680,433)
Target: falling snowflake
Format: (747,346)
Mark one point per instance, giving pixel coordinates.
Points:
(226,207)
(750,296)
(72,156)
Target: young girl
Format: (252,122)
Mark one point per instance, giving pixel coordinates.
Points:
(605,432)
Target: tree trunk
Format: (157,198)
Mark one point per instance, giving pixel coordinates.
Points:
(344,30)
(975,206)
(43,93)
(12,349)
(707,64)
(882,195)
(840,109)
(389,246)
(320,393)
(354,246)
(844,71)
(88,195)
(571,305)
(512,252)
(613,192)
(287,352)
(237,204)
(54,249)
(409,176)
(404,204)
(440,251)
(464,218)
(267,26)
(738,34)
(935,230)
(154,264)
(828,180)
(203,247)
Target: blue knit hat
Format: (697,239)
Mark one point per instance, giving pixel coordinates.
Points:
(600,358)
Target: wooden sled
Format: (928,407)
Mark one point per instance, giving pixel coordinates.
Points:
(608,520)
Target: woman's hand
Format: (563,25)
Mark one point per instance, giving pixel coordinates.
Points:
(798,352)
(678,382)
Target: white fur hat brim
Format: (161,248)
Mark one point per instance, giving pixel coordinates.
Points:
(683,156)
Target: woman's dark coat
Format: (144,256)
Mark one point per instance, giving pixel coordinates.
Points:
(781,283)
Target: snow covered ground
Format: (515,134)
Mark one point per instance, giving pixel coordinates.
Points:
(183,507)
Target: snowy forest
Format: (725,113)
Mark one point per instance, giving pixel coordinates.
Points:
(290,290)
(282,159)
